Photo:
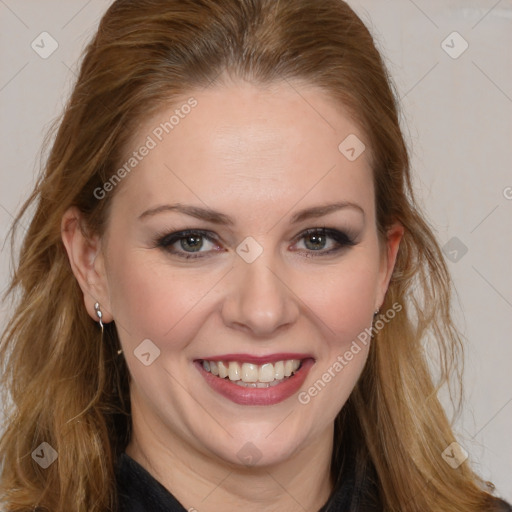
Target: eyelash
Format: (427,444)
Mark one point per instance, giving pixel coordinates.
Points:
(168,240)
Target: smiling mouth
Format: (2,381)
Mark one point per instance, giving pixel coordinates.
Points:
(251,375)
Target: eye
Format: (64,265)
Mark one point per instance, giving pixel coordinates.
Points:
(188,244)
(193,243)
(324,241)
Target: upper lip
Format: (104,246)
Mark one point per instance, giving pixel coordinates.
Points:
(248,358)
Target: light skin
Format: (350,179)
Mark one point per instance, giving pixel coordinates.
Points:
(260,156)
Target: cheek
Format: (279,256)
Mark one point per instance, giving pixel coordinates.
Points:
(343,299)
(150,299)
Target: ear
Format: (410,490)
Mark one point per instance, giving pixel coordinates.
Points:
(87,263)
(388,259)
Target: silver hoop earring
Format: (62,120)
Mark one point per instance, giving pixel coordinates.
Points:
(99,314)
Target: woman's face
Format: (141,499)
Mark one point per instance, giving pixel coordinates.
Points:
(281,262)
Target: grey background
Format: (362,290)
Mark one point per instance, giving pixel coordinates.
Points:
(457,119)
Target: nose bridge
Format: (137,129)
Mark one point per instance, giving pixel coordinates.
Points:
(258,299)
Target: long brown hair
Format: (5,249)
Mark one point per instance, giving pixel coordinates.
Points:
(65,385)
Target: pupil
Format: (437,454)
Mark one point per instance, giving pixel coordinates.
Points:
(191,242)
(318,241)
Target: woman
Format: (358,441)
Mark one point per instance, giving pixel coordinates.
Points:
(226,283)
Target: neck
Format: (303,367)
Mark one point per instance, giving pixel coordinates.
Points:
(206,483)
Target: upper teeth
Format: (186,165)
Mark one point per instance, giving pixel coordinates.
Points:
(249,372)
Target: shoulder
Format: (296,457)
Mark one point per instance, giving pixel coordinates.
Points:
(501,506)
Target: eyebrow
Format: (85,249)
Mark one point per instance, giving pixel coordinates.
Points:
(215,217)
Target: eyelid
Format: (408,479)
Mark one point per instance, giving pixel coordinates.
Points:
(166,238)
(332,232)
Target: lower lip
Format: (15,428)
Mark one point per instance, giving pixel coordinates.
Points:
(257,396)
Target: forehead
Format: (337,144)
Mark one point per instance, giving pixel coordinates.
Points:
(247,144)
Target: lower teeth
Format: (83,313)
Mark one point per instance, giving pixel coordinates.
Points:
(259,384)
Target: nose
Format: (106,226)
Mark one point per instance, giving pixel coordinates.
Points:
(258,299)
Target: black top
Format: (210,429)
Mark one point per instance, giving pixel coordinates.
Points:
(138,491)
